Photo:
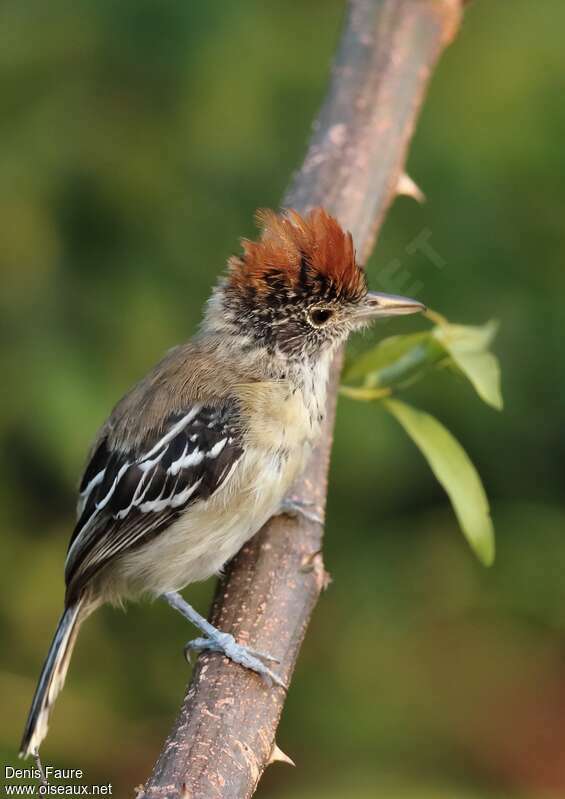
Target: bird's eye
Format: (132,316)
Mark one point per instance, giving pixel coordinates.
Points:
(319,316)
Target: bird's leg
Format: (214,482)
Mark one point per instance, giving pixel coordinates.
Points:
(39,767)
(217,641)
(299,507)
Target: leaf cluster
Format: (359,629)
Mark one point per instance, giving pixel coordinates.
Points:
(394,365)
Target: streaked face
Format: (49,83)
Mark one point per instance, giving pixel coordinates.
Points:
(298,290)
(305,318)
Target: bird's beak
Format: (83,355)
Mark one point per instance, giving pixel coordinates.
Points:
(376,305)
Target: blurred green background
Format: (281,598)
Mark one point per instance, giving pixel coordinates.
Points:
(136,140)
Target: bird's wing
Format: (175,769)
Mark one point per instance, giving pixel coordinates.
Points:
(126,498)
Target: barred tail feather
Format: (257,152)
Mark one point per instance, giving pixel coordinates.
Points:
(52,678)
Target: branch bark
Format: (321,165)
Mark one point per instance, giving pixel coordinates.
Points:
(224,736)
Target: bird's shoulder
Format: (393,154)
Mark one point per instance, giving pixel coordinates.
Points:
(187,375)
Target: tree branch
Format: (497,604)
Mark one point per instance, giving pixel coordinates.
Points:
(224,736)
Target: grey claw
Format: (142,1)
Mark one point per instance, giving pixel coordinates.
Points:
(295,508)
(199,645)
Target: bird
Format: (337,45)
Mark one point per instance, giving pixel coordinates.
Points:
(202,451)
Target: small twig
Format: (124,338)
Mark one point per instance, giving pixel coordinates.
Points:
(364,393)
(436,318)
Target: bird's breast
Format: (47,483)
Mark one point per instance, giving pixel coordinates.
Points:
(281,416)
(281,423)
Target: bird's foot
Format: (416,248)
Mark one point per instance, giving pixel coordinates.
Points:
(226,644)
(298,507)
(215,640)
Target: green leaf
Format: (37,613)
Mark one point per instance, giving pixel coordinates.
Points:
(468,349)
(396,361)
(456,473)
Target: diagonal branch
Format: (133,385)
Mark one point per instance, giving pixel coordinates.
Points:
(223,738)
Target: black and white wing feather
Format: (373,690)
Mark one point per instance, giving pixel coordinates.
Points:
(127,498)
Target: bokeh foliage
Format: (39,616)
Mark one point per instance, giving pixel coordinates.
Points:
(137,138)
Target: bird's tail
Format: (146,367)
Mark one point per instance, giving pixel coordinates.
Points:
(52,678)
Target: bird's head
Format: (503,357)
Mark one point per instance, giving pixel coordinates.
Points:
(298,291)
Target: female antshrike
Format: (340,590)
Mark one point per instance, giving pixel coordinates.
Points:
(200,453)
